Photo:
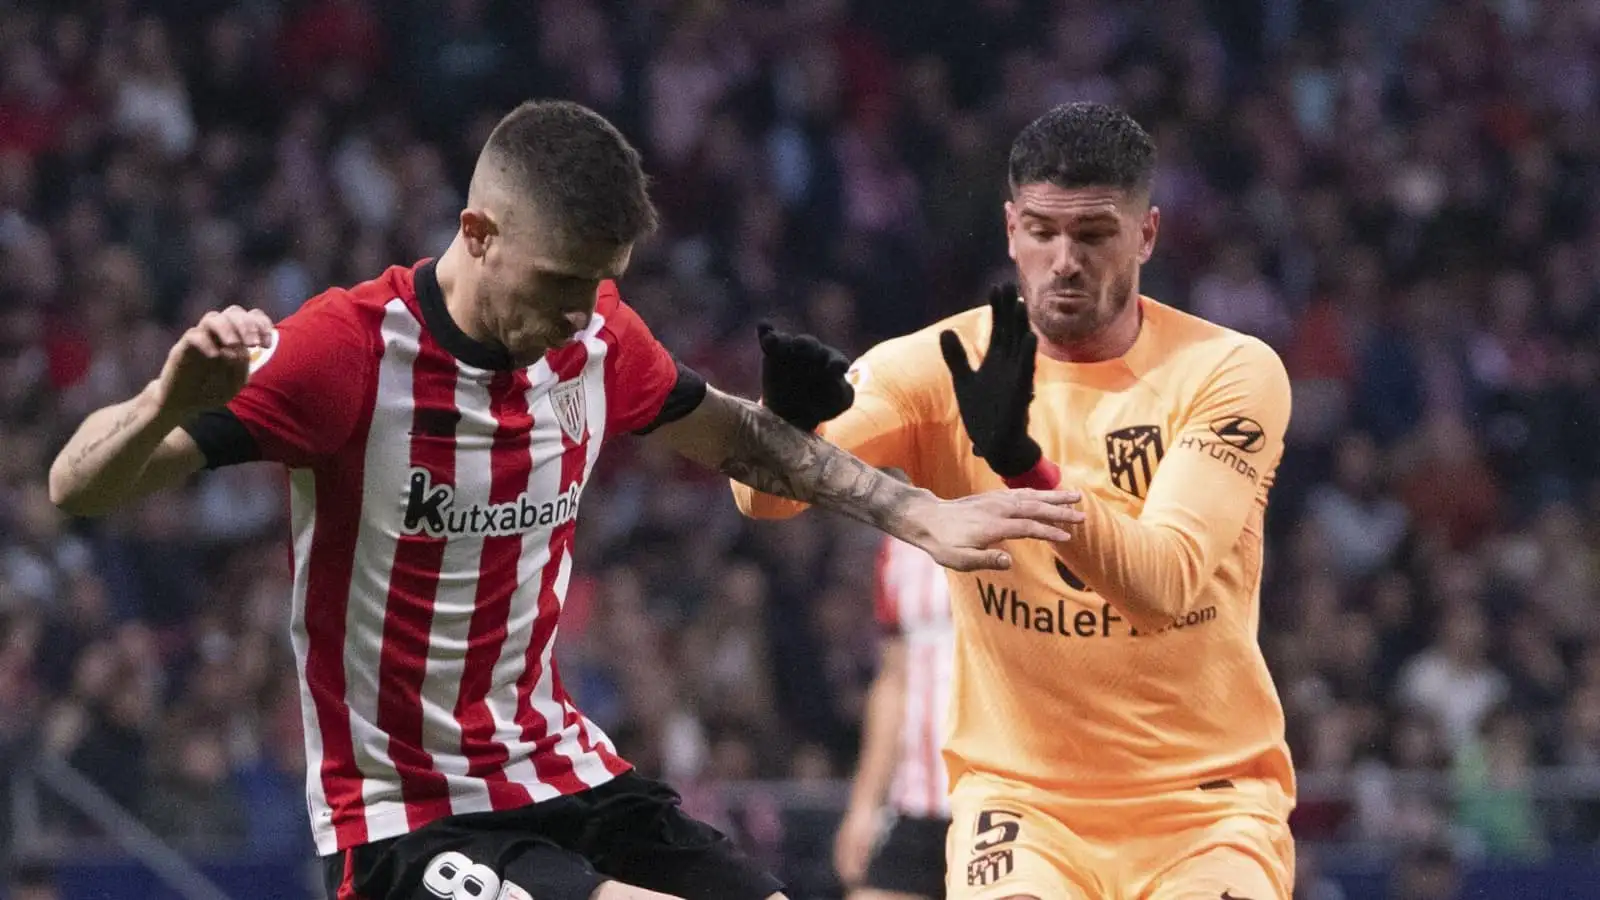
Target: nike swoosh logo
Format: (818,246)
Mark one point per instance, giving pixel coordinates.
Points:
(1229,895)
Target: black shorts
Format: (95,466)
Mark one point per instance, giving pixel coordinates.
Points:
(630,829)
(909,858)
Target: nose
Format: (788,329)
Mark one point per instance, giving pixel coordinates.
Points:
(1065,264)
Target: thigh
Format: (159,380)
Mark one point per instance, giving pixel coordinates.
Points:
(908,861)
(1000,845)
(1242,858)
(636,831)
(449,862)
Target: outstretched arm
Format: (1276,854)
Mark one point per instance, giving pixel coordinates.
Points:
(866,412)
(750,444)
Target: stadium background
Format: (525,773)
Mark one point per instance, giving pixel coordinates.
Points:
(1399,195)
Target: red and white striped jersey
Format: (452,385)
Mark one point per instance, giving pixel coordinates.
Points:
(434,490)
(913,602)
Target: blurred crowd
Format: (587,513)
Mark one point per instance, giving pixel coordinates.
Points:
(1399,196)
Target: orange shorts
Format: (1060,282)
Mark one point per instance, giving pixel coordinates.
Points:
(1008,839)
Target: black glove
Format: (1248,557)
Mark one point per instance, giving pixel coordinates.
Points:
(802,379)
(994,399)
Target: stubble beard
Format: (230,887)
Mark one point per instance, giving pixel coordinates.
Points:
(1065,329)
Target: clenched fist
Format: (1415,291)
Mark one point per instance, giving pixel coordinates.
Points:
(210,363)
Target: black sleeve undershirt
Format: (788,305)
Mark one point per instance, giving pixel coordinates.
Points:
(223,439)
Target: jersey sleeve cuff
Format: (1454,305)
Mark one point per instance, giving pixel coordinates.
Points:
(1044,476)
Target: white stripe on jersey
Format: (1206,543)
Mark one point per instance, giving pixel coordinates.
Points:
(543,481)
(917,590)
(302,518)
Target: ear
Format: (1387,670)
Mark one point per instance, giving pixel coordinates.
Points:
(478,229)
(1147,233)
(1011,230)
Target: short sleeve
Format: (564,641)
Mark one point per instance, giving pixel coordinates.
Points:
(306,391)
(641,376)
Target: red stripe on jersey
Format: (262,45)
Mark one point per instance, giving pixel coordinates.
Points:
(413,587)
(329,564)
(510,464)
(552,768)
(884,607)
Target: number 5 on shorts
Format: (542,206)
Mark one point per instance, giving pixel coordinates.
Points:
(452,876)
(991,859)
(995,827)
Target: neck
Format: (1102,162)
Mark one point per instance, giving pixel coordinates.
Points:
(1110,342)
(459,298)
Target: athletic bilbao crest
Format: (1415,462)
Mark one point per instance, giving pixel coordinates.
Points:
(571,408)
(1132,454)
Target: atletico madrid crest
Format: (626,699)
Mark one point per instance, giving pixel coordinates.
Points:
(571,408)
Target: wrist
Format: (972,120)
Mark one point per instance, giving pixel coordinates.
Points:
(911,525)
(153,409)
(1043,476)
(1013,462)
(802,422)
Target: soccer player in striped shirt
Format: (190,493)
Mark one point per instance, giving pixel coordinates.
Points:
(1114,731)
(439,424)
(900,772)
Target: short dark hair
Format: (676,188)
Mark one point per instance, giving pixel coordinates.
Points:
(1083,145)
(576,168)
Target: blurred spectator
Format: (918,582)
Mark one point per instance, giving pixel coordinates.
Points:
(1493,798)
(1362,522)
(1453,680)
(192,803)
(1428,872)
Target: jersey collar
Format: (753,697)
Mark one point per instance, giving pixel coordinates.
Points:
(454,341)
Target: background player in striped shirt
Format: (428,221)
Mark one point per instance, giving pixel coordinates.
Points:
(901,771)
(439,424)
(1114,730)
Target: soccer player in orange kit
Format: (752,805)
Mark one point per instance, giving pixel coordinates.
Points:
(1114,731)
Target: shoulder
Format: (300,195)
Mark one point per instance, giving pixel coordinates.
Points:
(356,311)
(1201,348)
(914,360)
(336,328)
(615,321)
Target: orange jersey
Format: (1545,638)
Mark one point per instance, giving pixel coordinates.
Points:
(1059,682)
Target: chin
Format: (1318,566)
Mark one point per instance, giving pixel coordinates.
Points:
(1066,328)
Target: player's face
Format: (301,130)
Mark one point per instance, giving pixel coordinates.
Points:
(1078,253)
(538,294)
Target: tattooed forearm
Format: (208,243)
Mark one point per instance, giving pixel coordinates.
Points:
(774,457)
(122,423)
(118,454)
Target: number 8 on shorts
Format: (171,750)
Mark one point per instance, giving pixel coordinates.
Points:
(453,876)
